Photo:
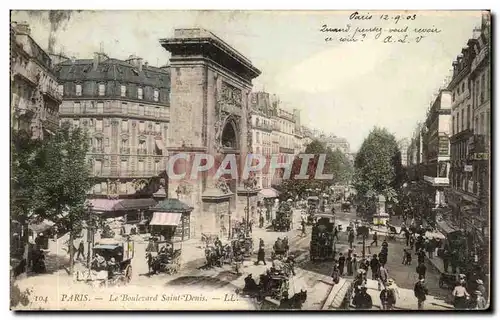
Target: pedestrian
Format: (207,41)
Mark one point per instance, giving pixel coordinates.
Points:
(336,274)
(387,299)
(336,233)
(374,266)
(404,256)
(261,254)
(354,264)
(351,238)
(394,293)
(407,236)
(421,256)
(460,296)
(383,275)
(480,287)
(408,257)
(480,303)
(421,269)
(374,238)
(349,262)
(382,258)
(81,250)
(429,246)
(362,300)
(341,264)
(385,245)
(303,224)
(420,291)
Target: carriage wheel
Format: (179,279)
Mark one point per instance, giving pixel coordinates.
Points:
(128,273)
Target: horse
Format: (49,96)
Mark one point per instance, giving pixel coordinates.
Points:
(153,263)
(227,254)
(212,257)
(295,302)
(251,286)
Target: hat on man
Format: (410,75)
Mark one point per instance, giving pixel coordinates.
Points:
(479,281)
(477,292)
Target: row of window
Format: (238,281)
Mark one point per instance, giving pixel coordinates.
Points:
(98,125)
(123,91)
(98,166)
(98,145)
(461,124)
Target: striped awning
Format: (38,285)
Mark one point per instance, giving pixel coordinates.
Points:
(159,144)
(269,193)
(166,219)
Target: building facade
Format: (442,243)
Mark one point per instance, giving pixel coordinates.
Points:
(34,99)
(403,149)
(124,106)
(470,192)
(436,146)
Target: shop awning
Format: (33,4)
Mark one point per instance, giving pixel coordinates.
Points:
(159,144)
(103,204)
(166,219)
(269,193)
(41,226)
(130,204)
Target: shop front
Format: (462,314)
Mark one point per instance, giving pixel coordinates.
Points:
(170,220)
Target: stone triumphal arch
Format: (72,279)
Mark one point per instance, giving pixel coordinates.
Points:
(211,84)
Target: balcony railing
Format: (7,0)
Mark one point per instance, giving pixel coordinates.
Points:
(162,114)
(125,150)
(142,151)
(128,173)
(263,126)
(97,149)
(286,150)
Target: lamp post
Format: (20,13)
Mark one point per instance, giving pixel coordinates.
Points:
(249,185)
(178,191)
(90,235)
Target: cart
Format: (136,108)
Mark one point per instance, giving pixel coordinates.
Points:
(168,262)
(109,273)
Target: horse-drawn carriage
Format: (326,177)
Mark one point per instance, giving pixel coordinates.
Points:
(321,247)
(218,254)
(274,283)
(165,259)
(280,249)
(283,221)
(345,206)
(111,264)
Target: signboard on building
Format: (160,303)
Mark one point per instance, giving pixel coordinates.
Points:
(470,186)
(443,146)
(467,168)
(481,156)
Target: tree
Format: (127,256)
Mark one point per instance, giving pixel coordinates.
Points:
(377,166)
(336,163)
(56,185)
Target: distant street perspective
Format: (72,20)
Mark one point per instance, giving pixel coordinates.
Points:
(134,178)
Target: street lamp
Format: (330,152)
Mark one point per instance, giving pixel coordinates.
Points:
(178,191)
(90,235)
(249,185)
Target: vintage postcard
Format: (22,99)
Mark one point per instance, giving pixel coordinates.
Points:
(250,160)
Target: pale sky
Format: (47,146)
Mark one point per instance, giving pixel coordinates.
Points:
(342,88)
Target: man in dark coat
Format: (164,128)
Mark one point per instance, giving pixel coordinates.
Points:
(261,254)
(374,266)
(421,269)
(341,264)
(362,300)
(420,291)
(351,238)
(349,263)
(421,256)
(446,259)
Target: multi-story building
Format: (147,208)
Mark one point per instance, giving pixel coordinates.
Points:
(461,130)
(469,196)
(403,148)
(285,127)
(299,135)
(124,105)
(262,129)
(35,99)
(338,143)
(414,154)
(436,149)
